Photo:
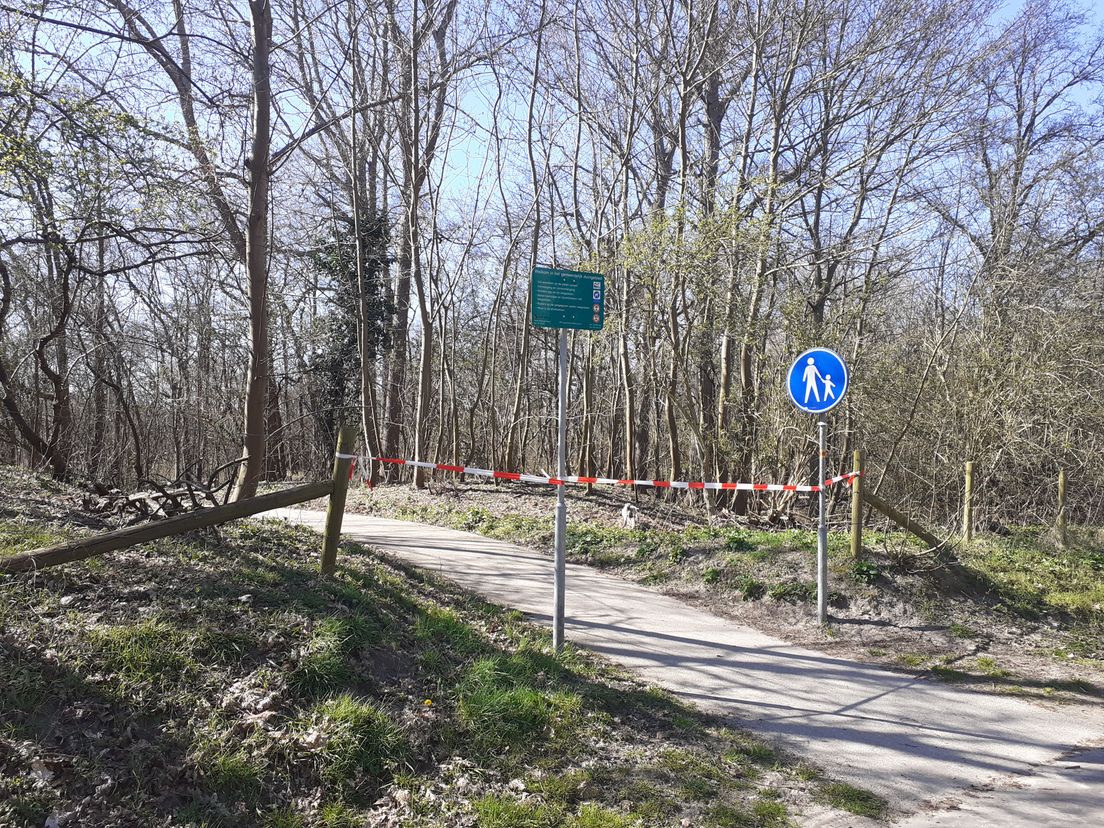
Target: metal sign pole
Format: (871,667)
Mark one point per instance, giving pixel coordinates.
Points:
(822,530)
(561,504)
(564,299)
(817,381)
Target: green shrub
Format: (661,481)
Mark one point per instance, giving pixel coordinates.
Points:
(797,591)
(865,572)
(736,541)
(751,588)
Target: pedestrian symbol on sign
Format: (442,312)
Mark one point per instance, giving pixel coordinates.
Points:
(818,380)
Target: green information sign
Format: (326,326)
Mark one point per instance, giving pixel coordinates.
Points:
(568,299)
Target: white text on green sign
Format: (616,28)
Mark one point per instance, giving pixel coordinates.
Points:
(567,299)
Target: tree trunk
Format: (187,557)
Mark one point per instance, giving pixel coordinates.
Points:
(256,256)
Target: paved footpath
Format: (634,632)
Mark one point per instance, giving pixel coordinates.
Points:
(945,756)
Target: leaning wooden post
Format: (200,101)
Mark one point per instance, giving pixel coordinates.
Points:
(903,520)
(1060,525)
(335,511)
(78,550)
(968,503)
(856,507)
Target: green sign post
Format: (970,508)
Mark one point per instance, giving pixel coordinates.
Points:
(567,299)
(564,299)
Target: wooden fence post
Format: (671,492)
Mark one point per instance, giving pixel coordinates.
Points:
(904,521)
(81,548)
(1061,522)
(335,510)
(968,503)
(857,507)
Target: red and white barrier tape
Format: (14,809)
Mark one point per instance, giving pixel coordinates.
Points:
(609,481)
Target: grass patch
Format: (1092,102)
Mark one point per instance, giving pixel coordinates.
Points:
(736,541)
(501,707)
(796,591)
(19,536)
(566,788)
(339,815)
(235,776)
(1031,577)
(283,818)
(854,800)
(752,589)
(326,664)
(517,528)
(770,813)
(24,804)
(696,777)
(962,631)
(762,814)
(750,750)
(26,685)
(151,651)
(949,674)
(444,630)
(359,742)
(649,800)
(987,665)
(595,816)
(912,660)
(507,812)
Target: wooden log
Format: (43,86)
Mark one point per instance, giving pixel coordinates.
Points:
(856,507)
(335,509)
(903,520)
(77,550)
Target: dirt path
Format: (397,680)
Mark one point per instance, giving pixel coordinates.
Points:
(947,757)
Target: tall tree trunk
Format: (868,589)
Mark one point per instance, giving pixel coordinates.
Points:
(99,357)
(513,451)
(256,256)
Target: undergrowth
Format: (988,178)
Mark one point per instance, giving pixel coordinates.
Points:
(216,680)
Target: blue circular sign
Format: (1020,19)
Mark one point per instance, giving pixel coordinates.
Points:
(818,380)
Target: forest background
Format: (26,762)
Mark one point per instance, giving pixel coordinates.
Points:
(226,227)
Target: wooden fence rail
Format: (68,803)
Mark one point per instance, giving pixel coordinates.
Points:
(77,550)
(904,521)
